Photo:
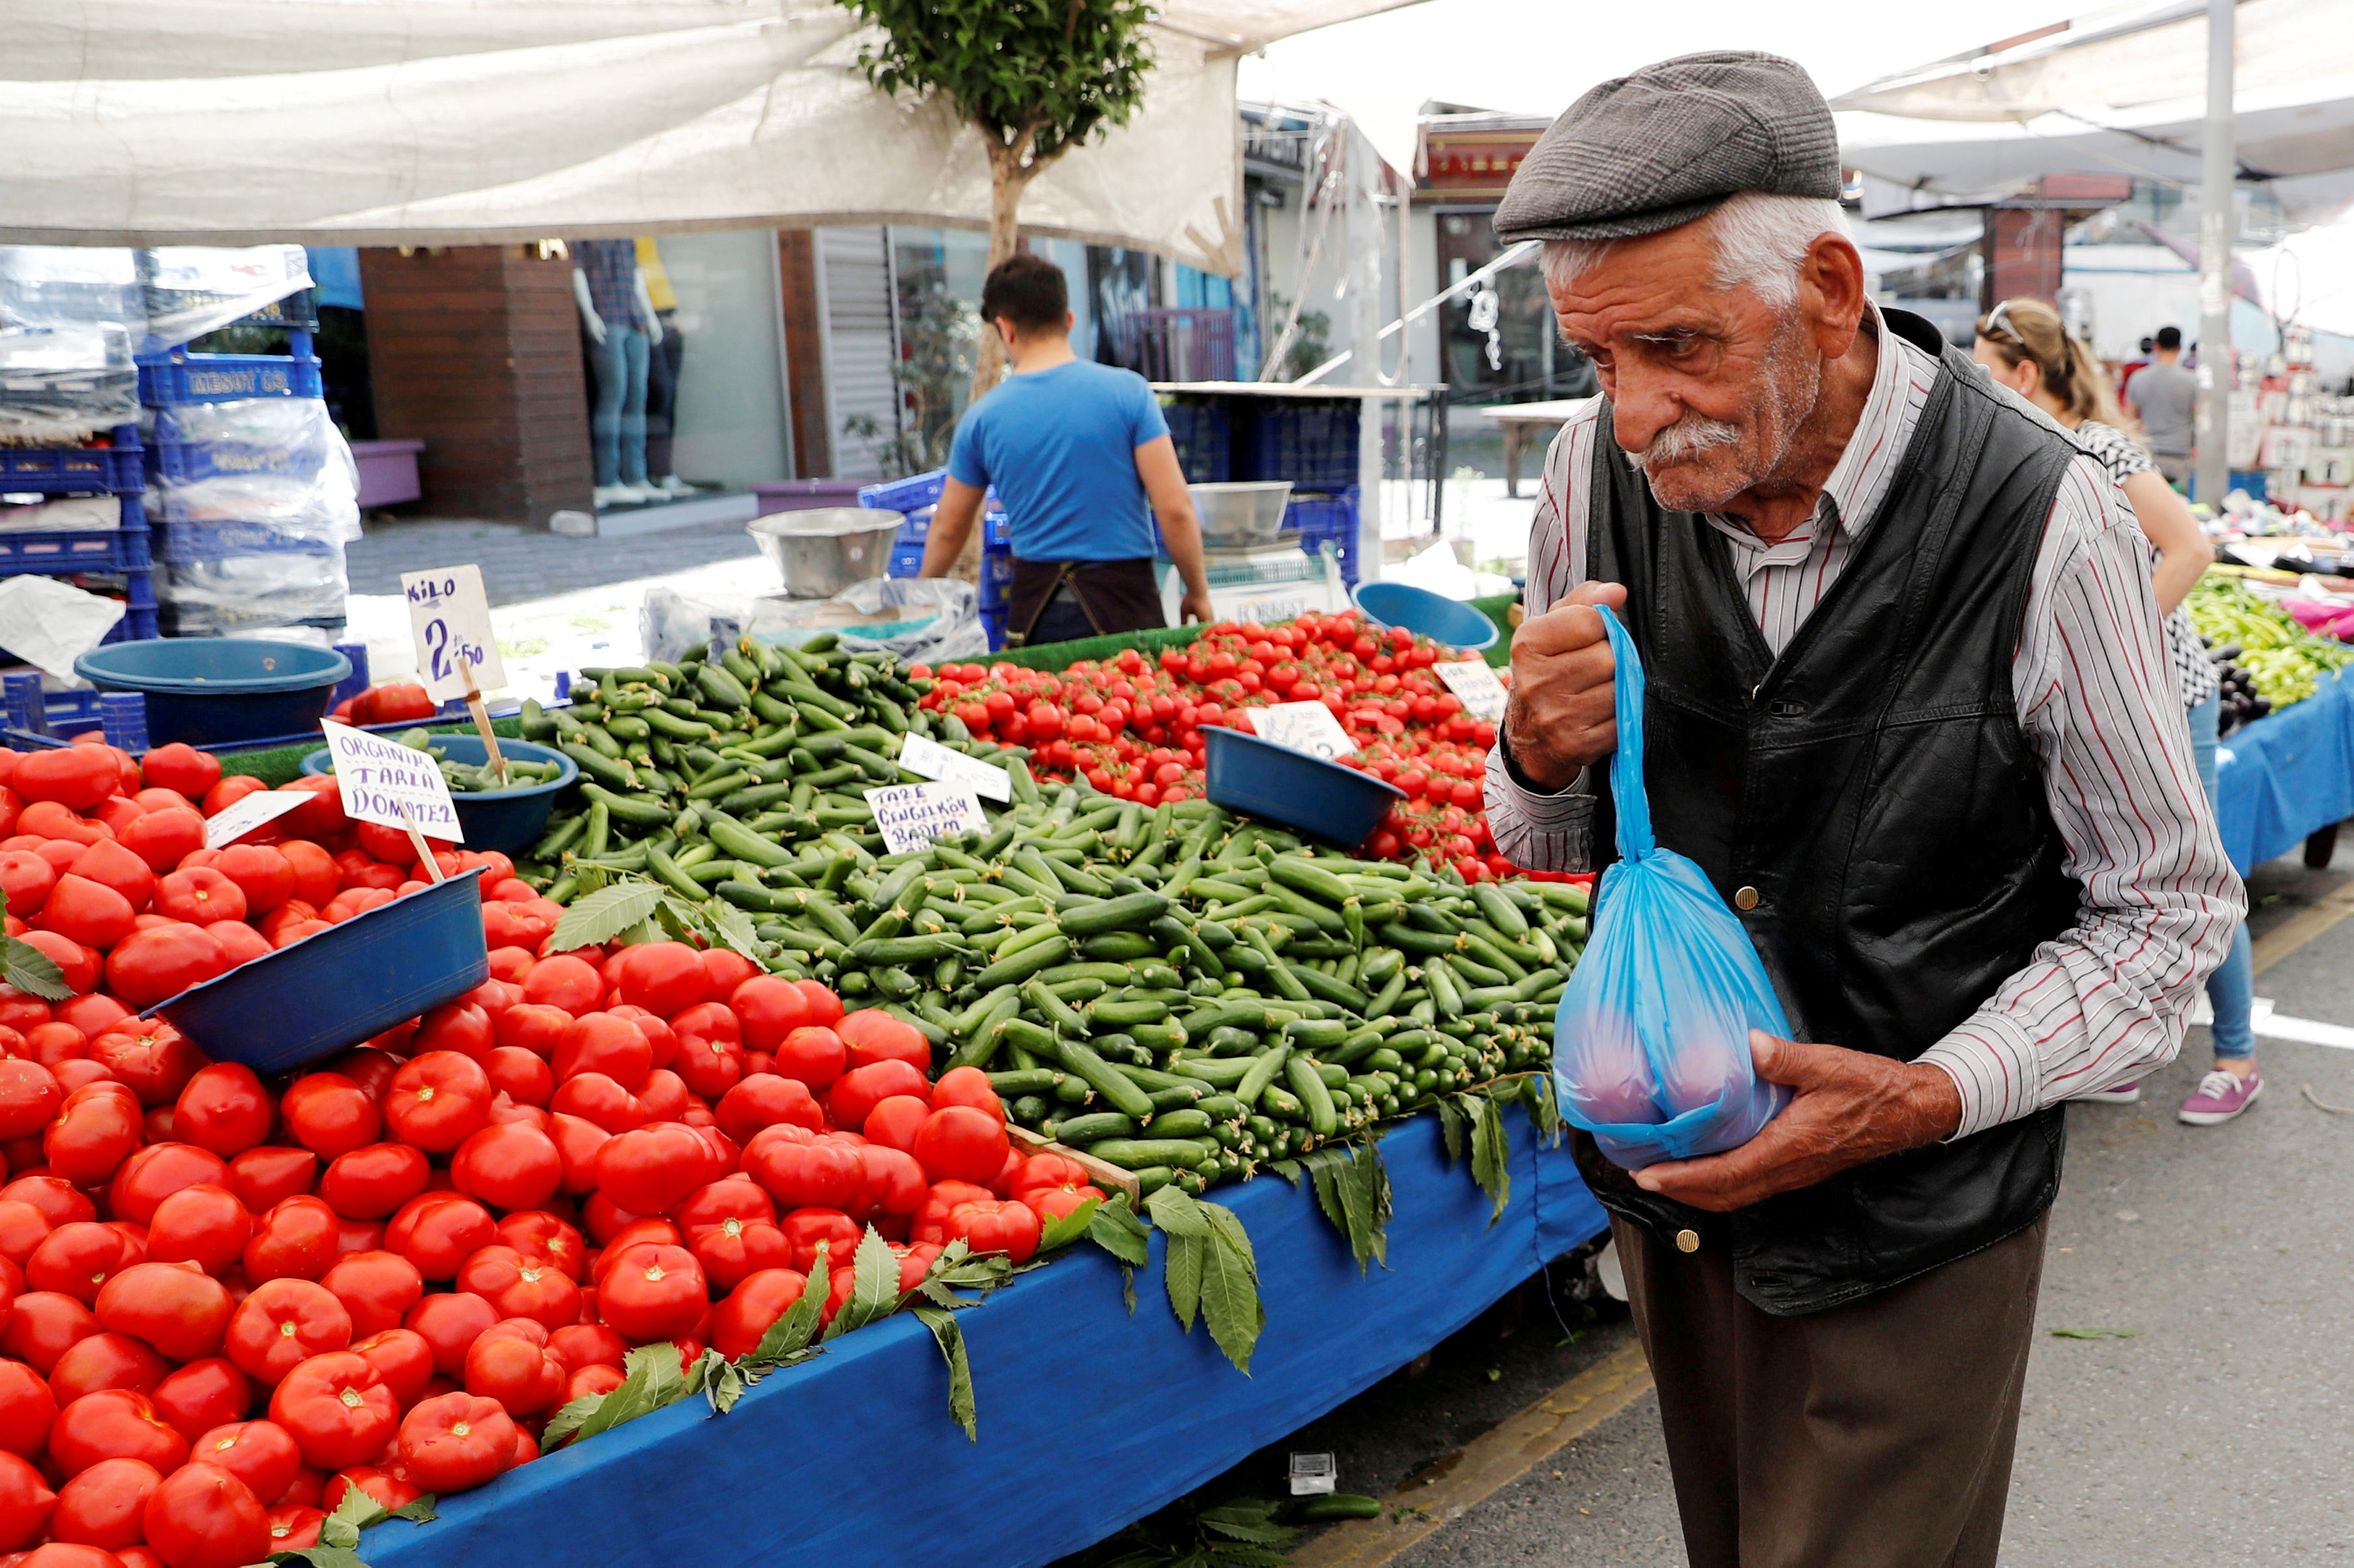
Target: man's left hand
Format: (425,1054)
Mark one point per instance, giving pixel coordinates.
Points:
(1195,606)
(1850,1106)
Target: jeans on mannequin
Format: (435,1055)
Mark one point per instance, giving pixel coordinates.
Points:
(617,425)
(2232,989)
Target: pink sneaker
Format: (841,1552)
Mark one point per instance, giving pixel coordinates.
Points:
(2221,1096)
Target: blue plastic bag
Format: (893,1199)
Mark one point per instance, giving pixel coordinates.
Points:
(1651,1041)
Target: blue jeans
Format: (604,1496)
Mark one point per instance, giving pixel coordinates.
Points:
(617,425)
(2233,987)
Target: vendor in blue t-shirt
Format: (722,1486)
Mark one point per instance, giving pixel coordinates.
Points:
(1076,450)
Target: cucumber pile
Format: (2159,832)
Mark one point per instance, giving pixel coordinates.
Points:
(1180,991)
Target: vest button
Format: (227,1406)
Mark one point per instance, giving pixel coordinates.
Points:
(1687,1241)
(1746,899)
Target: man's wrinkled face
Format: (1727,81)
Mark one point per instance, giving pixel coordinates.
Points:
(1708,385)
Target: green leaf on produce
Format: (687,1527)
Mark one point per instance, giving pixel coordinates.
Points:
(599,918)
(417,1510)
(1115,1227)
(1071,1228)
(32,971)
(655,1377)
(734,928)
(1250,1521)
(791,1334)
(679,918)
(1288,1169)
(1352,1188)
(566,1421)
(1209,1267)
(1491,1153)
(355,1513)
(1537,1094)
(950,1339)
(589,879)
(874,1286)
(322,1557)
(1450,1131)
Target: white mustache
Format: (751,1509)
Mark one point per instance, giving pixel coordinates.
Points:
(1688,437)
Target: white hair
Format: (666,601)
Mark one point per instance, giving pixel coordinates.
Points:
(1761,242)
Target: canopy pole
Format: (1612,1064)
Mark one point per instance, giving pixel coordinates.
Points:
(2215,362)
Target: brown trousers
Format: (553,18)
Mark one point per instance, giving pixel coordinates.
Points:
(1877,1434)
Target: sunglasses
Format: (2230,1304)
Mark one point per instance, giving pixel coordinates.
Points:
(1998,323)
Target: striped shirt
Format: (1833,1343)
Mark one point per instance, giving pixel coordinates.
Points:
(2106,1001)
(2185,651)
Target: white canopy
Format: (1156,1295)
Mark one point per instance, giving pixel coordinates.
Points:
(468,121)
(2122,91)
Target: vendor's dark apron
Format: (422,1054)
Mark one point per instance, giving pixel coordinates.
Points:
(1116,595)
(1869,794)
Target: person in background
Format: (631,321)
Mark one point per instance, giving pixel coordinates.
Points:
(2163,395)
(2024,347)
(1077,451)
(2140,362)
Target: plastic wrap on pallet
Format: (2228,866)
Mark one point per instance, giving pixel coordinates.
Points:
(282,465)
(240,594)
(927,619)
(68,317)
(266,438)
(187,290)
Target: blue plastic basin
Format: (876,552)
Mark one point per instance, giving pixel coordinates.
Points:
(508,821)
(1335,803)
(301,1004)
(204,689)
(1435,616)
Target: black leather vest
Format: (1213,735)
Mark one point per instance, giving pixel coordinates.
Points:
(1872,784)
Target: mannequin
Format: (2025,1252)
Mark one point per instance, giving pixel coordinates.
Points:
(661,371)
(621,325)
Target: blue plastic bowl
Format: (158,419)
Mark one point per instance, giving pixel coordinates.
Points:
(204,689)
(508,821)
(1335,803)
(1427,614)
(301,1004)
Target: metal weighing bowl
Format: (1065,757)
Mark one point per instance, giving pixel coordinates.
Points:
(822,551)
(1241,513)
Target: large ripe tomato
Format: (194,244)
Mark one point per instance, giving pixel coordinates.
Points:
(593,1097)
(240,943)
(26,1503)
(874,1035)
(261,1454)
(523,1286)
(296,1239)
(769,1008)
(969,1086)
(710,1049)
(109,863)
(565,981)
(438,1232)
(404,1359)
(664,978)
(261,871)
(536,1233)
(265,1177)
(375,1179)
(532,1026)
(766,1099)
(295,1526)
(89,912)
(29,1097)
(78,1258)
(315,879)
(438,1100)
(450,1321)
(991,1225)
(752,1308)
(223,1109)
(521,1077)
(329,1113)
(455,1442)
(523,1377)
(895,1120)
(163,838)
(26,882)
(202,1395)
(284,1323)
(819,1232)
(579,1345)
(337,1410)
(576,1141)
(199,894)
(600,1043)
(202,1516)
(27,1407)
(653,1292)
(43,1325)
(861,1089)
(22,1228)
(648,1169)
(511,1165)
(102,1506)
(80,967)
(377,1288)
(893,1185)
(78,776)
(96,1127)
(181,768)
(463,1026)
(174,1307)
(114,1424)
(801,1169)
(725,969)
(156,1172)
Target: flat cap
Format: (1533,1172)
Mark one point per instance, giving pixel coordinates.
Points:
(1671,142)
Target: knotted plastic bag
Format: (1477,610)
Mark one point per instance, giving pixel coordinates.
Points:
(1651,1041)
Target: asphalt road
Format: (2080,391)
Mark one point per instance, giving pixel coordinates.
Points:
(2213,1430)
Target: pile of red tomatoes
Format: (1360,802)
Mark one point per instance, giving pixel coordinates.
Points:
(1133,726)
(225,1300)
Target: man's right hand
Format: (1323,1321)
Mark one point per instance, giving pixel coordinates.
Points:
(1562,717)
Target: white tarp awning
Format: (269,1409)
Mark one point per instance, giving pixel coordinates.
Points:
(2122,91)
(469,121)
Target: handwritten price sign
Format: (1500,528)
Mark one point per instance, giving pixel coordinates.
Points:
(912,815)
(449,616)
(381,781)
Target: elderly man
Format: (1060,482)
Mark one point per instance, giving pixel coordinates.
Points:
(1909,708)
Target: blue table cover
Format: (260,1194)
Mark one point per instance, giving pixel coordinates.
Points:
(1089,1417)
(2286,775)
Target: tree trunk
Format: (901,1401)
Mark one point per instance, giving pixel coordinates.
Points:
(1007,180)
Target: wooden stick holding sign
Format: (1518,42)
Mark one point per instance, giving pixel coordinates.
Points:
(424,851)
(482,717)
(380,781)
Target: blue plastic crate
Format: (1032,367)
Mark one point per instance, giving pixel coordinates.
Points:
(1327,519)
(906,561)
(1203,436)
(121,549)
(992,624)
(910,494)
(996,528)
(226,378)
(182,544)
(188,462)
(67,470)
(1312,443)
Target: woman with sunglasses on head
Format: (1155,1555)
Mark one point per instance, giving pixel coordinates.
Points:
(2025,346)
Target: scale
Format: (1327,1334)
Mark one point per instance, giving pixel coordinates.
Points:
(1265,581)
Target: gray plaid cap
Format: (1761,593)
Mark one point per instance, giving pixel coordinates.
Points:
(1671,142)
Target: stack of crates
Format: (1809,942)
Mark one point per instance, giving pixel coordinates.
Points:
(224,575)
(918,496)
(121,552)
(1312,442)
